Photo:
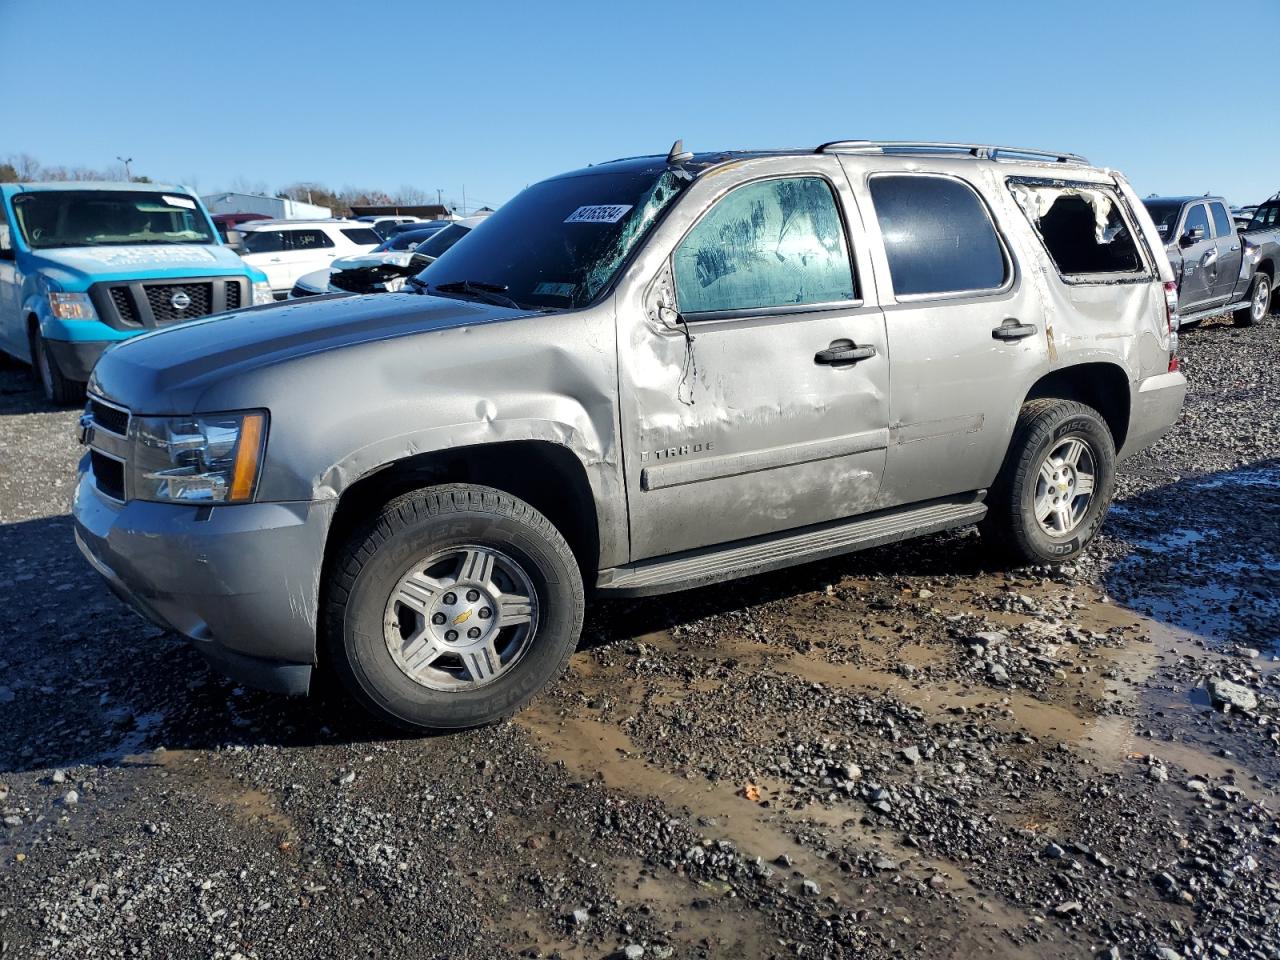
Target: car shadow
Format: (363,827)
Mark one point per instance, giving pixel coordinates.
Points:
(19,392)
(1203,555)
(83,679)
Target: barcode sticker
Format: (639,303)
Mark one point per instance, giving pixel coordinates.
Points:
(602,213)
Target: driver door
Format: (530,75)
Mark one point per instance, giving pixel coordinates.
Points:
(759,403)
(1199,259)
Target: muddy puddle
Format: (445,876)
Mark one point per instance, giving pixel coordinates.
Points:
(1097,704)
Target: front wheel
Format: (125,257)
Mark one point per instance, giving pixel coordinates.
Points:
(452,608)
(58,389)
(1055,486)
(1259,303)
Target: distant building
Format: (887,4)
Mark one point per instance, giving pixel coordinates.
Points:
(423,211)
(278,208)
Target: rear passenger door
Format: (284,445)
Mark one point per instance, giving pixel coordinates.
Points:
(1230,255)
(966,329)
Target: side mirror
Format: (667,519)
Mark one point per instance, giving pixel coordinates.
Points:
(1194,235)
(6,243)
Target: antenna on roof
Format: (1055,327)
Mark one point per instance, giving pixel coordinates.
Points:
(679,154)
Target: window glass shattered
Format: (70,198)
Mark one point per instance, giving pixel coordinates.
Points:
(1081,226)
(768,244)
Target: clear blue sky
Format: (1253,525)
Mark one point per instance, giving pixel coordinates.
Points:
(498,95)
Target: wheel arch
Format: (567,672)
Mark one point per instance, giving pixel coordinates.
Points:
(548,476)
(1267,266)
(1098,384)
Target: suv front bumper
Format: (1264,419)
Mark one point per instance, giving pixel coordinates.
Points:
(242,581)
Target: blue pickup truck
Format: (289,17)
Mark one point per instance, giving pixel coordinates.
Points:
(86,265)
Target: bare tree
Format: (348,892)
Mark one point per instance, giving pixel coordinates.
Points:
(411,196)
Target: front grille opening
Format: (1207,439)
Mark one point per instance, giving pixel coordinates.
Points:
(233,294)
(108,474)
(109,418)
(126,309)
(171,303)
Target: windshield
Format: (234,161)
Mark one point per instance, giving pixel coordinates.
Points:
(92,218)
(1164,214)
(560,242)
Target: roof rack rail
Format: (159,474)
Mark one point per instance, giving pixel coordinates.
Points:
(979,151)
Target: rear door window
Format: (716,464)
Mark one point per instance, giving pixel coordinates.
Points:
(938,236)
(1221,221)
(362,236)
(776,243)
(309,239)
(1081,225)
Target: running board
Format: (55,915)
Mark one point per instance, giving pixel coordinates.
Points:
(694,568)
(1212,311)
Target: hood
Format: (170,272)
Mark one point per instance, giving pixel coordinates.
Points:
(168,370)
(399,258)
(80,266)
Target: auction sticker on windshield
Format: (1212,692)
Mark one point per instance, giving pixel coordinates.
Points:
(602,213)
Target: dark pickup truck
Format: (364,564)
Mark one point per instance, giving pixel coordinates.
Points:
(1219,267)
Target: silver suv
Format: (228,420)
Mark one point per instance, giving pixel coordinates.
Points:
(644,376)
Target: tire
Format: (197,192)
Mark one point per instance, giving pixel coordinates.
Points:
(57,388)
(1051,427)
(1259,303)
(395,592)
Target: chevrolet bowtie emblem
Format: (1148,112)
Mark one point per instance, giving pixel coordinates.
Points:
(462,618)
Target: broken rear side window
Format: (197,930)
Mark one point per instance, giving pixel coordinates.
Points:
(1081,226)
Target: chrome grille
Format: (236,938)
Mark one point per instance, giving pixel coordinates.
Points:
(114,419)
(105,428)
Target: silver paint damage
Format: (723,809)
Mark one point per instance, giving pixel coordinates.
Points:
(768,440)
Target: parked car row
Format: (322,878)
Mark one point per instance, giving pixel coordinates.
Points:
(385,269)
(638,377)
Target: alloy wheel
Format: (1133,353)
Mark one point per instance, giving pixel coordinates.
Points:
(1064,487)
(461,618)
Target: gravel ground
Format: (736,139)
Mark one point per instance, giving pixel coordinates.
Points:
(906,752)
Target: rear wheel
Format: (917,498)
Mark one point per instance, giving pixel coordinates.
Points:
(453,608)
(1259,303)
(57,388)
(1055,486)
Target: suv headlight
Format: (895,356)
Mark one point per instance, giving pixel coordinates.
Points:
(72,306)
(205,458)
(262,292)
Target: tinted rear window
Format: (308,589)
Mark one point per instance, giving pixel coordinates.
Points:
(937,236)
(1221,222)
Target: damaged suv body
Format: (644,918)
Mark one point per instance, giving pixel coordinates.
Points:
(645,376)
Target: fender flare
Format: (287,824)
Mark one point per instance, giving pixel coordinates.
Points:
(601,461)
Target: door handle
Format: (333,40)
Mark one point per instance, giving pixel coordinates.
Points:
(1235,248)
(1011,329)
(843,351)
